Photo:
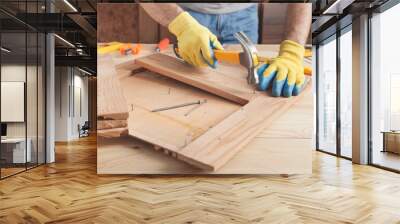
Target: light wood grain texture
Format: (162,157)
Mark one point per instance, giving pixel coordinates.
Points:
(111,102)
(155,91)
(218,145)
(113,133)
(211,149)
(217,81)
(170,128)
(284,147)
(70,191)
(108,124)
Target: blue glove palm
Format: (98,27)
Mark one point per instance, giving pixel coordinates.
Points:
(285,72)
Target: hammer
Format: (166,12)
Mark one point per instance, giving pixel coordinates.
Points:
(248,58)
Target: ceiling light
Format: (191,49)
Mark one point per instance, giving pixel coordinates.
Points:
(70,5)
(65,41)
(337,7)
(5,50)
(84,71)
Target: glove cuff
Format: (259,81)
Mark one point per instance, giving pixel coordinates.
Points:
(292,50)
(181,23)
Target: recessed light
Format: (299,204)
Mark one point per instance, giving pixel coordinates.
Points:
(84,71)
(70,5)
(5,50)
(64,40)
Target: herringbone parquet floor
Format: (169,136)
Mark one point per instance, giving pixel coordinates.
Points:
(69,191)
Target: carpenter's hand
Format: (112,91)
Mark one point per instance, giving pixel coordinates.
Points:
(285,72)
(194,40)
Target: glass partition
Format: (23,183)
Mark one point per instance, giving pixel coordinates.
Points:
(14,145)
(23,89)
(327,96)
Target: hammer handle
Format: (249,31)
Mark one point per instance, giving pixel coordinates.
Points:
(231,57)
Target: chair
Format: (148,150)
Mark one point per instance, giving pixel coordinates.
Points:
(84,130)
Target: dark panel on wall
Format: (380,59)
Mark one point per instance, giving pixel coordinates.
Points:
(116,22)
(148,28)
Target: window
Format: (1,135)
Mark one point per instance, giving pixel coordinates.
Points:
(346,75)
(385,89)
(327,96)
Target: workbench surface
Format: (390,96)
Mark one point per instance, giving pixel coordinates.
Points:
(282,148)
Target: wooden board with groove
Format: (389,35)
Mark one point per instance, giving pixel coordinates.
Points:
(207,149)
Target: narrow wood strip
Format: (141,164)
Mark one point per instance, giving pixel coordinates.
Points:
(211,81)
(112,133)
(158,144)
(114,116)
(109,124)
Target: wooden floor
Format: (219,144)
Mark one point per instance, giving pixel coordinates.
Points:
(69,191)
(387,159)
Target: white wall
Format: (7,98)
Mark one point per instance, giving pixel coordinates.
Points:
(12,73)
(69,82)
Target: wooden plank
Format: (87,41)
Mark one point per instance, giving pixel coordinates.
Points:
(176,128)
(213,81)
(281,148)
(129,155)
(108,124)
(214,148)
(111,102)
(170,128)
(113,133)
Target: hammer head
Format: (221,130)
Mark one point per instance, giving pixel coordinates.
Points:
(248,57)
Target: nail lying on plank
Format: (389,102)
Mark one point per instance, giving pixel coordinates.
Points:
(179,106)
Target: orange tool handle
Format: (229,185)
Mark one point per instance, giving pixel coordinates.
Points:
(234,58)
(136,49)
(307,70)
(308,53)
(227,56)
(124,49)
(162,45)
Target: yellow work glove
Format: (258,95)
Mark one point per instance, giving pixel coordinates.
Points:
(286,72)
(195,42)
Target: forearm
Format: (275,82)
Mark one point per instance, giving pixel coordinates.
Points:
(298,22)
(162,13)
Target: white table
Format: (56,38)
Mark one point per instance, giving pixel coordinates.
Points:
(18,150)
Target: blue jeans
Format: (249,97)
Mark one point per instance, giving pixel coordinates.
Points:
(225,25)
